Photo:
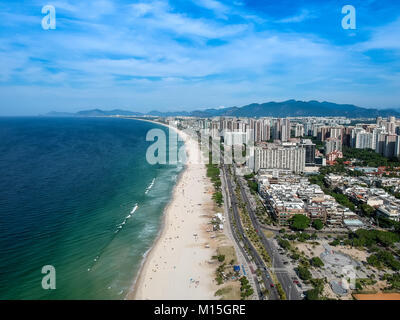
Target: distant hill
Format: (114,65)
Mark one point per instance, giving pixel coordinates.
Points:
(98,112)
(290,108)
(169,114)
(293,108)
(59,114)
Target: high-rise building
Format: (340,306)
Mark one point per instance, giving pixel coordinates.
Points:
(380,142)
(261,131)
(310,151)
(397,149)
(280,157)
(285,130)
(258,131)
(390,145)
(336,133)
(267,132)
(347,136)
(391,125)
(298,130)
(308,128)
(360,139)
(323,133)
(277,129)
(282,130)
(332,144)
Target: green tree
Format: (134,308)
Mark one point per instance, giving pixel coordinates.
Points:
(304,273)
(312,294)
(253,185)
(221,258)
(302,237)
(367,210)
(299,222)
(318,224)
(284,243)
(334,243)
(394,280)
(218,198)
(316,262)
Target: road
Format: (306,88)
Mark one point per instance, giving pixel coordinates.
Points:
(243,258)
(266,277)
(280,269)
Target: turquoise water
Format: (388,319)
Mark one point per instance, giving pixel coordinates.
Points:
(68,192)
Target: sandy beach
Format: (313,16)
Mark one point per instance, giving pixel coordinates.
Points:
(177,266)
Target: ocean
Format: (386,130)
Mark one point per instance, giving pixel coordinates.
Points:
(79,195)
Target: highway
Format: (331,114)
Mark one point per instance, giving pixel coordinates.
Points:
(247,243)
(280,269)
(227,204)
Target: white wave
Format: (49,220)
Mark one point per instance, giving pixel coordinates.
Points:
(133,210)
(120,226)
(118,229)
(150,186)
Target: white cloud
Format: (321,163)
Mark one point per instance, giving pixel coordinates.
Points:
(88,9)
(220,9)
(160,15)
(151,55)
(302,16)
(384,37)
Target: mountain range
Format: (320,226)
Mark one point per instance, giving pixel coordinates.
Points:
(290,108)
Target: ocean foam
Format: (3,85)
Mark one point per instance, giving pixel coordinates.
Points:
(150,186)
(133,210)
(119,226)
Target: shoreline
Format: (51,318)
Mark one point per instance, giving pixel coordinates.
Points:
(133,289)
(142,287)
(131,295)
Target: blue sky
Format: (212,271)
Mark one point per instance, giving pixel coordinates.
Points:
(193,54)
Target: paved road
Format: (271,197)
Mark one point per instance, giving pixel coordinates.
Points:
(280,269)
(243,258)
(259,262)
(242,253)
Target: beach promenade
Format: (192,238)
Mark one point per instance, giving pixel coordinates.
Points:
(177,266)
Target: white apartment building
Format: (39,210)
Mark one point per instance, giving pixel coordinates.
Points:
(280,157)
(360,139)
(332,144)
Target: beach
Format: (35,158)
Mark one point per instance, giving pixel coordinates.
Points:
(177,267)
